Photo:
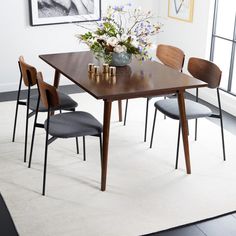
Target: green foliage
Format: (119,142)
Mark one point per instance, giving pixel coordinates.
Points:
(122,30)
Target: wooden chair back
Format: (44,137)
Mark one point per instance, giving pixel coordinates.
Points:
(205,70)
(28,72)
(48,93)
(171,56)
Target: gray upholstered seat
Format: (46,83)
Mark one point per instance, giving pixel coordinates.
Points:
(207,72)
(66,103)
(29,77)
(64,125)
(193,109)
(170,56)
(73,124)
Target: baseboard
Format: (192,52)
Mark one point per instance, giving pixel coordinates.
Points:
(11,96)
(8,87)
(227,101)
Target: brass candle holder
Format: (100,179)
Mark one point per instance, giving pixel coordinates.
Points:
(105,68)
(90,67)
(112,70)
(96,70)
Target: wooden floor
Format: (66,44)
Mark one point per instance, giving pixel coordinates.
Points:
(219,226)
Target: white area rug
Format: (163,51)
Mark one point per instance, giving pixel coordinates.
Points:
(144,192)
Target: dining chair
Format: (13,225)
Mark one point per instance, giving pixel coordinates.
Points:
(205,71)
(28,75)
(170,56)
(64,125)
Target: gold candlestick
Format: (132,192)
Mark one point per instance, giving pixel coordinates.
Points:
(112,70)
(105,68)
(91,67)
(96,70)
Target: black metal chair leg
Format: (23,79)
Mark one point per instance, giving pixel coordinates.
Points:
(221,124)
(26,124)
(196,119)
(164,115)
(146,120)
(15,120)
(77,144)
(16,112)
(101,150)
(153,127)
(84,150)
(195,130)
(126,108)
(32,140)
(45,155)
(222,135)
(177,151)
(33,134)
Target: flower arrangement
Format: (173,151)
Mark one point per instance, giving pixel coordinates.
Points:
(122,30)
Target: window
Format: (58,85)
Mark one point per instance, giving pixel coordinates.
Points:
(223,44)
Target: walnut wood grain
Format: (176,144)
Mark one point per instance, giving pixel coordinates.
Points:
(136,80)
(106,132)
(170,56)
(139,79)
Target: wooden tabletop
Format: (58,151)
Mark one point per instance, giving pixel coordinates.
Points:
(138,79)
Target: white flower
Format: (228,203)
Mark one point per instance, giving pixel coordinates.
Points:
(113,41)
(135,43)
(123,37)
(120,49)
(103,37)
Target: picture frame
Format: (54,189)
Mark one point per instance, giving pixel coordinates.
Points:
(181,10)
(48,12)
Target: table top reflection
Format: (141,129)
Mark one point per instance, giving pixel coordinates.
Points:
(137,79)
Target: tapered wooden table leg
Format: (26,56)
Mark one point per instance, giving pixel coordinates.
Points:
(120,109)
(106,131)
(184,125)
(56,78)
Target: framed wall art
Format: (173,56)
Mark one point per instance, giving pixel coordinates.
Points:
(46,12)
(181,10)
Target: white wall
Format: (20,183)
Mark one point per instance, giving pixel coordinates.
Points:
(19,38)
(191,37)
(194,39)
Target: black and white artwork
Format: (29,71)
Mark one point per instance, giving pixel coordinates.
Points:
(181,10)
(44,12)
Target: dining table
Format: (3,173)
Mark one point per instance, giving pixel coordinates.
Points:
(147,78)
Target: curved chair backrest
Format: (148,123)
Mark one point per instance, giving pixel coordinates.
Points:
(29,73)
(170,56)
(48,93)
(205,70)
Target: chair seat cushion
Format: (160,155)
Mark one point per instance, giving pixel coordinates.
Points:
(193,109)
(66,103)
(73,124)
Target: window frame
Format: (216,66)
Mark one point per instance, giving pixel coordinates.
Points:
(233,50)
